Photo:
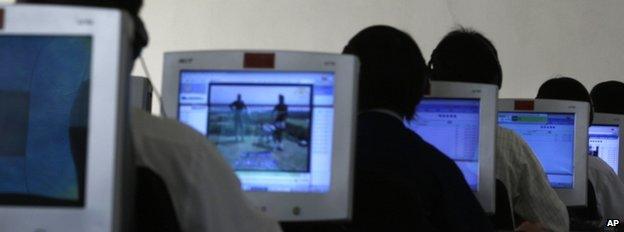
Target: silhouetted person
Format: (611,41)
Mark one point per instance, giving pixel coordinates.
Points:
(608,97)
(467,56)
(238,107)
(608,189)
(402,183)
(281,115)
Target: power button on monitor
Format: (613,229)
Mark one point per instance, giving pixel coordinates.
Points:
(296,211)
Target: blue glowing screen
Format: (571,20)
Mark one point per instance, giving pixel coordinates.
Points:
(43,119)
(551,136)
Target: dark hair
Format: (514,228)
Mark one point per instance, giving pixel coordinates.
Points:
(466,55)
(392,70)
(565,88)
(131,6)
(608,97)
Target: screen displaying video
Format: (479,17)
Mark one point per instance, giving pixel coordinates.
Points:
(452,126)
(44,93)
(273,128)
(604,142)
(551,136)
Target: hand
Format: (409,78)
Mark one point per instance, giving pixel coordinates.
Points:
(528,226)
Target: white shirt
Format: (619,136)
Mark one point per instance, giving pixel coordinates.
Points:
(608,187)
(529,191)
(205,191)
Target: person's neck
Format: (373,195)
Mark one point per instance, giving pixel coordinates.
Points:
(387,112)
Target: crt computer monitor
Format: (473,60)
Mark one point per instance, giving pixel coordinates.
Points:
(62,115)
(605,140)
(283,120)
(556,130)
(460,120)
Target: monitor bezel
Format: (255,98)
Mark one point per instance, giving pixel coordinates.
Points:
(110,31)
(488,96)
(613,119)
(577,196)
(337,203)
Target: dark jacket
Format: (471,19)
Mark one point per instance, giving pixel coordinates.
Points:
(402,183)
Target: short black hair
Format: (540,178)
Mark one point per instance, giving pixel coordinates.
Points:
(393,72)
(565,88)
(608,97)
(465,55)
(133,7)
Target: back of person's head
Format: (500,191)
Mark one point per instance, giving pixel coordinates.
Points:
(131,6)
(608,97)
(465,55)
(392,70)
(565,88)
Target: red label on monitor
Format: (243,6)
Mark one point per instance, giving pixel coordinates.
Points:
(524,105)
(1,18)
(259,60)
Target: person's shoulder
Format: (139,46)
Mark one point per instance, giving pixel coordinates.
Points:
(510,145)
(455,191)
(430,153)
(168,139)
(507,143)
(602,176)
(507,135)
(147,125)
(599,167)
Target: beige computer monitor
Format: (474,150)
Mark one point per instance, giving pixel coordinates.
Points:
(306,175)
(68,66)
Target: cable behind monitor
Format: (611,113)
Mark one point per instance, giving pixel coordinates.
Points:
(155,91)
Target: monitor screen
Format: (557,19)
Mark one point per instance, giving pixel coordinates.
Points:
(452,126)
(43,119)
(604,142)
(551,136)
(273,127)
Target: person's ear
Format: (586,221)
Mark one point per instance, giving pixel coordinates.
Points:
(141,38)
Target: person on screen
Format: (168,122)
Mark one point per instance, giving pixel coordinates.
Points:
(204,190)
(608,97)
(467,56)
(238,107)
(281,114)
(608,188)
(401,182)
